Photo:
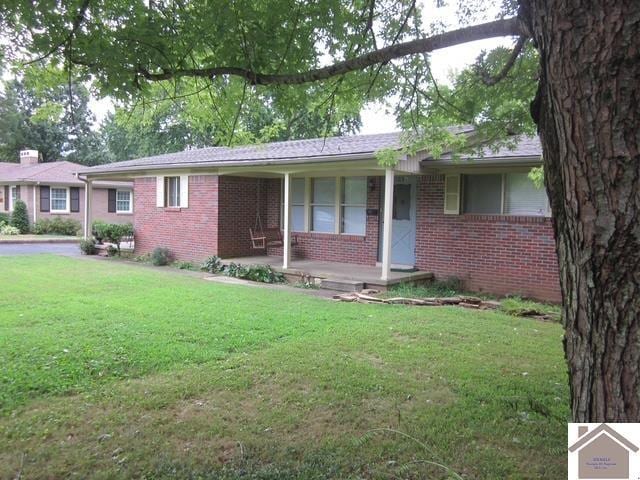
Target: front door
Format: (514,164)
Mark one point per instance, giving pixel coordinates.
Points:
(403,228)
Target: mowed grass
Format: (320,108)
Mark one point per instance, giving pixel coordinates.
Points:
(110,370)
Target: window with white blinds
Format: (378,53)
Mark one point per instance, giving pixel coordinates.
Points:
(297,204)
(482,193)
(521,197)
(354,205)
(323,210)
(507,193)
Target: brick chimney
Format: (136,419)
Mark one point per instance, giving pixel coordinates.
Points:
(29,157)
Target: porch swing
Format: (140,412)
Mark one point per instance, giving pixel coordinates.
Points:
(261,238)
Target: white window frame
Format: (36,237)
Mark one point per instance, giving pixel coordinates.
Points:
(167,191)
(13,196)
(335,204)
(304,204)
(343,204)
(67,209)
(503,183)
(130,192)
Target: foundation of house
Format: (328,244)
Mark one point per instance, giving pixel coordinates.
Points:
(334,275)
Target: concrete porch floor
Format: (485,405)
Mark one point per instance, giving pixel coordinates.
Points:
(370,276)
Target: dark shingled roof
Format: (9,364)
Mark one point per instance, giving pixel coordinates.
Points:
(330,148)
(275,151)
(525,147)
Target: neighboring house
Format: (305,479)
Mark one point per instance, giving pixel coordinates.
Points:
(602,453)
(52,190)
(478,219)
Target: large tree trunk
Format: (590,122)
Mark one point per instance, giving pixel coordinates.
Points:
(588,115)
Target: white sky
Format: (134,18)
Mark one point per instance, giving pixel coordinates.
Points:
(443,63)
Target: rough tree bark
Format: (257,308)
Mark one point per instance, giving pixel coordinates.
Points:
(588,115)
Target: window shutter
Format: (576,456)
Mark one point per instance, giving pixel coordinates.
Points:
(452,194)
(17,192)
(74,196)
(44,198)
(159,191)
(111,200)
(6,197)
(184,191)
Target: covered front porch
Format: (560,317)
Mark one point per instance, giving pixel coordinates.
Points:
(346,221)
(335,274)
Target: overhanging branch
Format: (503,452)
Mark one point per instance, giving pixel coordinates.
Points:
(492,80)
(77,21)
(498,28)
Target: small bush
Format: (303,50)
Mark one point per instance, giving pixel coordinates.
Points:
(57,226)
(4,218)
(184,265)
(88,247)
(8,229)
(144,258)
(97,230)
(111,232)
(256,273)
(112,251)
(20,217)
(212,264)
(160,256)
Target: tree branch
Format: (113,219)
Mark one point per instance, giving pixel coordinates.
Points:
(498,28)
(492,80)
(74,28)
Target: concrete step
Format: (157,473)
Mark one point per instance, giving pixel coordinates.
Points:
(341,285)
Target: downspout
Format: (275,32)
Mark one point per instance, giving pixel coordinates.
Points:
(35,208)
(86,227)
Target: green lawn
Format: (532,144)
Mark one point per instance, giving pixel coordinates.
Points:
(110,370)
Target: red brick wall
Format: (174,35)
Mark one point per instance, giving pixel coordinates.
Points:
(492,253)
(189,233)
(332,247)
(240,198)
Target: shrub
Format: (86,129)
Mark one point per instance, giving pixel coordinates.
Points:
(97,230)
(112,251)
(57,226)
(144,258)
(20,217)
(184,265)
(160,256)
(212,264)
(4,218)
(256,273)
(88,247)
(8,229)
(112,232)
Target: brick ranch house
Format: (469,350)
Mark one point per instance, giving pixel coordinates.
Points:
(479,219)
(52,189)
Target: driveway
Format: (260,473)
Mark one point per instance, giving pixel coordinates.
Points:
(67,249)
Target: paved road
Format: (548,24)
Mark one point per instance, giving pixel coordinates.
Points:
(68,249)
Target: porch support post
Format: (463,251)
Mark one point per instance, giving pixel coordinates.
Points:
(286,247)
(388,219)
(88,194)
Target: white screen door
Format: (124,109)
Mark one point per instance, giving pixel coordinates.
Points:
(403,236)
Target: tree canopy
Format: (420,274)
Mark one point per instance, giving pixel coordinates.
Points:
(247,71)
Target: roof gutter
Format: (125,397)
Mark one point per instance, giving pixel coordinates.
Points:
(233,163)
(482,162)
